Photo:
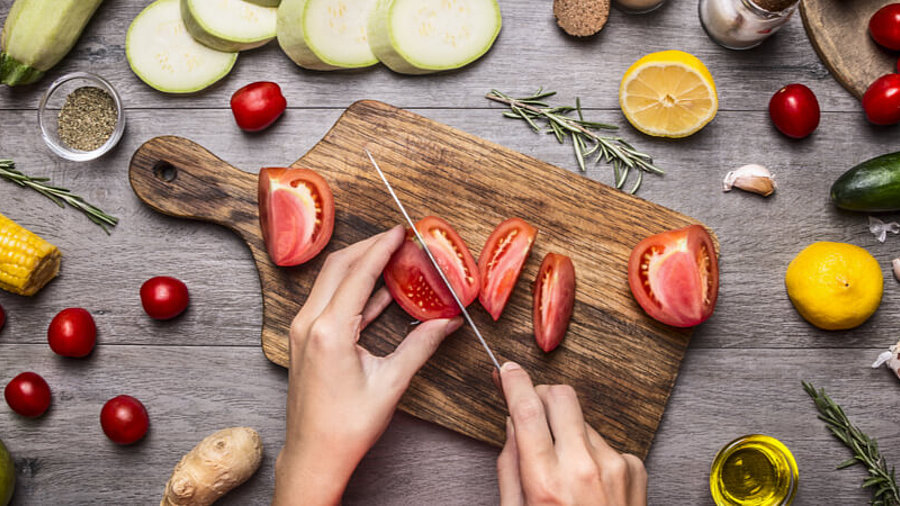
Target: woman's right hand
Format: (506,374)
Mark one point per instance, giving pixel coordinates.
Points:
(552,456)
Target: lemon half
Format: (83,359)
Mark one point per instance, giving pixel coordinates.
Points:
(668,94)
(834,286)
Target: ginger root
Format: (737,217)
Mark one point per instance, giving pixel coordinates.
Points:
(219,463)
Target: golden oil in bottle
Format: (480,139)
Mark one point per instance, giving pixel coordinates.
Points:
(754,470)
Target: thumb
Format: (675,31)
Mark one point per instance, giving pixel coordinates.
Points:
(419,346)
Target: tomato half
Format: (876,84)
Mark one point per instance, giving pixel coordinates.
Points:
(554,299)
(674,276)
(416,285)
(501,262)
(296,213)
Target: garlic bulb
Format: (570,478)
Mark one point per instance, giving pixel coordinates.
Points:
(752,178)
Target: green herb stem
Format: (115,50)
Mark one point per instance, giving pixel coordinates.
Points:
(882,482)
(59,196)
(585,140)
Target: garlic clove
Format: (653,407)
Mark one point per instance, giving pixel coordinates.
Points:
(896,264)
(752,178)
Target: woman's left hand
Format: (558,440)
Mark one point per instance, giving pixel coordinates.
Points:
(340,397)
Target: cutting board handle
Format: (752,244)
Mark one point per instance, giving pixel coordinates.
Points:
(178,177)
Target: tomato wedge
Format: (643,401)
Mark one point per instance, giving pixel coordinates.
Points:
(674,276)
(501,262)
(554,299)
(416,285)
(296,214)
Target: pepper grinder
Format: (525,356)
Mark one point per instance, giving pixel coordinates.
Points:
(744,24)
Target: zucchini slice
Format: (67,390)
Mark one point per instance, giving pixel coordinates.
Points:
(425,36)
(229,25)
(163,54)
(266,3)
(326,34)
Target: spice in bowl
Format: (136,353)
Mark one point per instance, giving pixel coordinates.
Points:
(87,119)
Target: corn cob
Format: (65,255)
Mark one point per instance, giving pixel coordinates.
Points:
(27,262)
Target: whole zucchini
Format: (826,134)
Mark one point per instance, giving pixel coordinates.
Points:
(38,34)
(872,186)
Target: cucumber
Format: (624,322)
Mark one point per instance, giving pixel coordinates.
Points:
(37,34)
(872,186)
(228,25)
(163,54)
(326,34)
(424,36)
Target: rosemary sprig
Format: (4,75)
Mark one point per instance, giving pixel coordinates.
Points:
(885,491)
(586,141)
(60,196)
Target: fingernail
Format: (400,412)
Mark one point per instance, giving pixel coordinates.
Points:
(510,366)
(454,324)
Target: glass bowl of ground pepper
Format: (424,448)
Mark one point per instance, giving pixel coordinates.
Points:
(81,116)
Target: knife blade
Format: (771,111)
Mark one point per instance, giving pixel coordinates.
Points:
(434,262)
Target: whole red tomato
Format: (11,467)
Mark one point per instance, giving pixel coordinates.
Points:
(124,419)
(257,105)
(794,110)
(28,394)
(72,333)
(884,26)
(882,100)
(164,297)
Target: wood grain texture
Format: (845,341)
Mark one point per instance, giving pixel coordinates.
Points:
(442,171)
(839,32)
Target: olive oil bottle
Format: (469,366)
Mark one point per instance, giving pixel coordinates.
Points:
(754,470)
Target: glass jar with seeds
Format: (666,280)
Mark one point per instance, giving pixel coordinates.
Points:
(81,116)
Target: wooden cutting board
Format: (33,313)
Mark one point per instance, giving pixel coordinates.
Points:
(622,363)
(839,32)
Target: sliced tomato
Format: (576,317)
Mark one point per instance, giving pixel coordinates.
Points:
(414,282)
(296,213)
(501,262)
(554,299)
(674,276)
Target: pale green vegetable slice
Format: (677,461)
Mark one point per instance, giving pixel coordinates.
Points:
(424,36)
(165,56)
(326,34)
(229,25)
(266,3)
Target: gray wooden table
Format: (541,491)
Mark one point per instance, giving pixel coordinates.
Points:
(205,370)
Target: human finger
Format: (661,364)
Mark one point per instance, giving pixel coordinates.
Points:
(637,490)
(356,287)
(376,304)
(333,271)
(614,467)
(564,415)
(533,438)
(508,470)
(418,346)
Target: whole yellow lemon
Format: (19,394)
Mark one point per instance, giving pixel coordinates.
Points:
(834,286)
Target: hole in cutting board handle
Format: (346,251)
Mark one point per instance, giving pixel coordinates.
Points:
(165,171)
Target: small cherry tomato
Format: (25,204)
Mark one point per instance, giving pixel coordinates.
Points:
(124,419)
(882,100)
(2,317)
(884,26)
(164,297)
(794,110)
(257,105)
(72,333)
(28,394)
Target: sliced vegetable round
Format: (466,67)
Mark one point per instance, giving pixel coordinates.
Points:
(554,300)
(413,281)
(164,297)
(296,214)
(163,54)
(124,420)
(674,276)
(882,100)
(72,333)
(794,110)
(501,262)
(326,34)
(257,105)
(229,25)
(28,394)
(884,26)
(424,36)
